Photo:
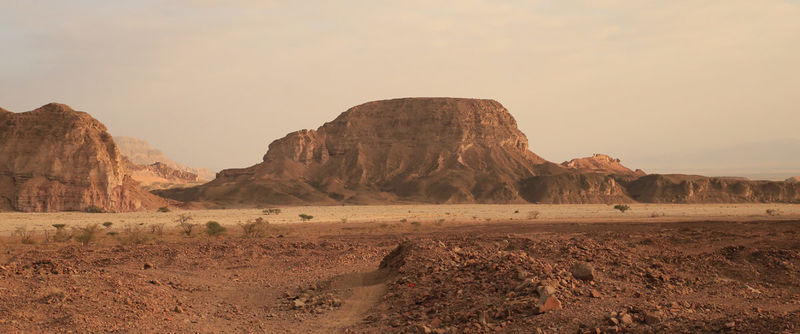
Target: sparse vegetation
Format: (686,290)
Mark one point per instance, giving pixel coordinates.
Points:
(163,209)
(304,217)
(61,233)
(183,222)
(215,229)
(108,224)
(657,214)
(87,234)
(516,211)
(403,220)
(533,214)
(254,228)
(271,211)
(25,235)
(94,209)
(157,229)
(773,212)
(132,234)
(622,207)
(416,224)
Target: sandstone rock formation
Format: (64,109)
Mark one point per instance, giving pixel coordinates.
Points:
(139,152)
(794,179)
(447,150)
(57,159)
(602,164)
(439,150)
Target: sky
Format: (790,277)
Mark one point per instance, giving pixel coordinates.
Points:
(212,83)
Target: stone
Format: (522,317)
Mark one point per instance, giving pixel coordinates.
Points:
(178,309)
(147,265)
(652,318)
(298,303)
(626,319)
(582,271)
(547,304)
(595,294)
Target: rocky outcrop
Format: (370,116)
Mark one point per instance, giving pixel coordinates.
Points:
(700,189)
(602,164)
(436,150)
(140,153)
(573,188)
(794,179)
(57,159)
(160,176)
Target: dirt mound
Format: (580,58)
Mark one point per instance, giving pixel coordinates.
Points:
(699,189)
(57,159)
(602,164)
(436,150)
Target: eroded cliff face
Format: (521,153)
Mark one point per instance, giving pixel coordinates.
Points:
(141,154)
(438,150)
(57,159)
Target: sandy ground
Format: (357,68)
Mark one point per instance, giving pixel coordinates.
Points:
(9,222)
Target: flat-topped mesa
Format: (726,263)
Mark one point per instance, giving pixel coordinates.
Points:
(601,164)
(57,159)
(436,150)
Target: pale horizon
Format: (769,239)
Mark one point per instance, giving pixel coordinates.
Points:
(212,85)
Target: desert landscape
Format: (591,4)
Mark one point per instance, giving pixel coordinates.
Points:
(411,167)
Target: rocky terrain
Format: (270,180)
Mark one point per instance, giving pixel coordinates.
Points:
(143,155)
(406,277)
(602,164)
(448,150)
(58,159)
(794,179)
(161,176)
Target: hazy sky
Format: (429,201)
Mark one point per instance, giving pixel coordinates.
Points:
(211,83)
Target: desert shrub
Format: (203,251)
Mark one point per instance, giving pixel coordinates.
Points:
(416,224)
(344,220)
(657,214)
(87,234)
(25,235)
(157,229)
(304,217)
(113,233)
(773,212)
(403,220)
(622,207)
(61,233)
(215,229)
(183,222)
(271,211)
(533,214)
(108,224)
(254,228)
(163,209)
(132,234)
(516,211)
(94,209)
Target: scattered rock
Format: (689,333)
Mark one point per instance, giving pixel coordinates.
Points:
(583,271)
(547,304)
(178,309)
(626,319)
(148,265)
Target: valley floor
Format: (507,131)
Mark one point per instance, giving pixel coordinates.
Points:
(683,272)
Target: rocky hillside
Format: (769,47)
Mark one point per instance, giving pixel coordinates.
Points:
(602,164)
(439,150)
(141,153)
(58,159)
(794,179)
(446,150)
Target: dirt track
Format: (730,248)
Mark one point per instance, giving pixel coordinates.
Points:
(449,277)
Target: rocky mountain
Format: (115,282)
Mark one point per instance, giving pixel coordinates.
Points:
(602,164)
(439,150)
(794,179)
(448,150)
(141,153)
(58,159)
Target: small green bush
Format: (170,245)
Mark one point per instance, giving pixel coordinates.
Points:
(25,236)
(108,224)
(163,209)
(271,211)
(304,217)
(215,229)
(622,207)
(183,222)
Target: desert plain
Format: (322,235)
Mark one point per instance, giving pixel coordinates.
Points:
(731,268)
